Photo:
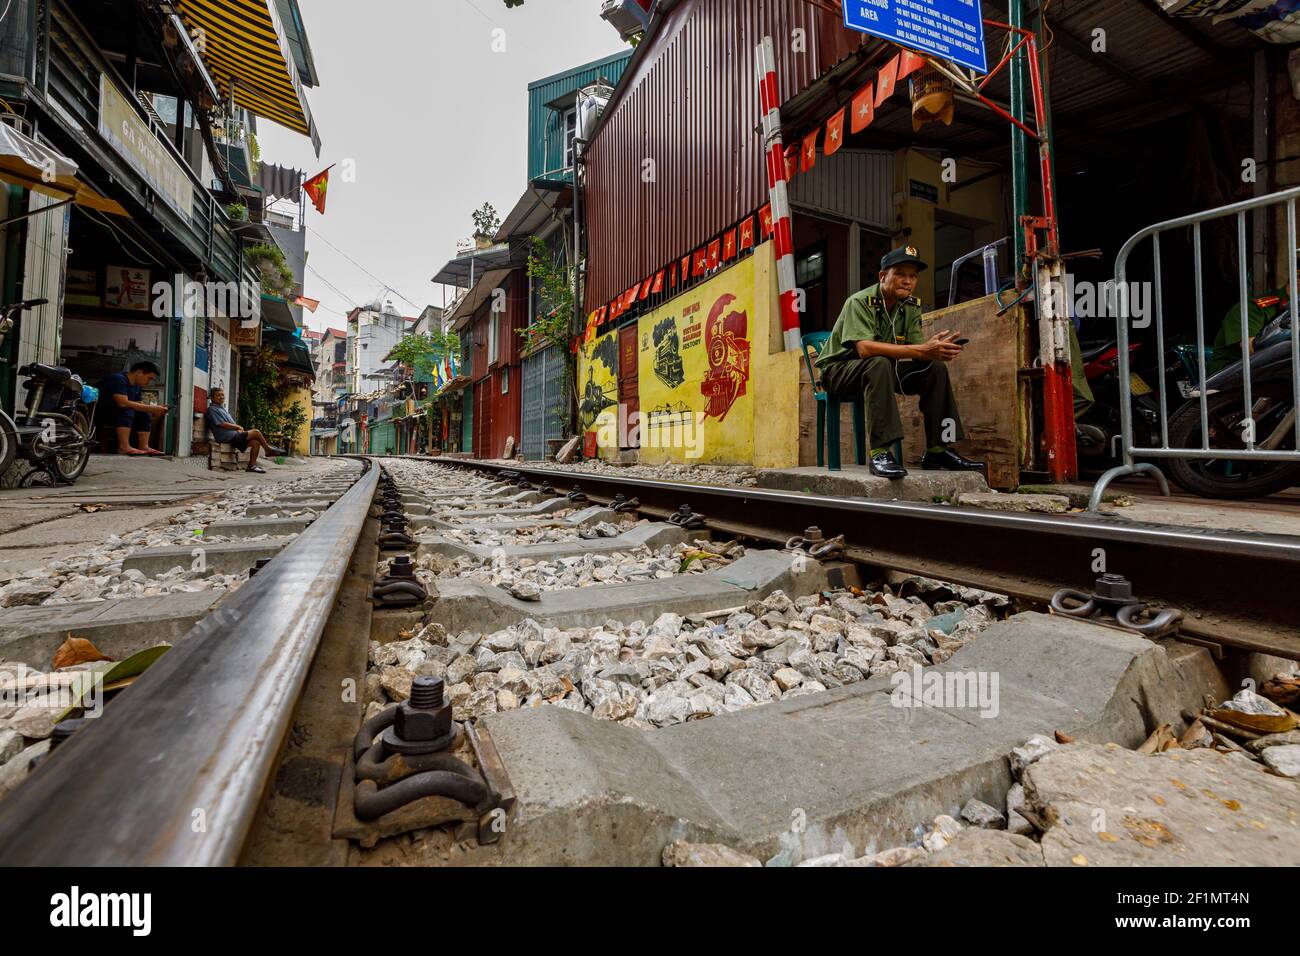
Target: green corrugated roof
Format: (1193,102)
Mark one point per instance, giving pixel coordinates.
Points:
(546,125)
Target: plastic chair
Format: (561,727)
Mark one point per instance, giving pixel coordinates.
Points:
(828,413)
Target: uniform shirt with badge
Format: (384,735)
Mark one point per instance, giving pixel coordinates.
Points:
(865,319)
(1259,312)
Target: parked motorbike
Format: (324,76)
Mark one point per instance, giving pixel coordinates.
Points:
(1272,418)
(54,431)
(1097,434)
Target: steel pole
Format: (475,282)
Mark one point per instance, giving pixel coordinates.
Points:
(1019,142)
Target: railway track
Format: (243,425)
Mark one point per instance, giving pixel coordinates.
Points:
(1232,587)
(237,746)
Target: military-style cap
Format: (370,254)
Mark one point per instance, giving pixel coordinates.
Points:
(901,257)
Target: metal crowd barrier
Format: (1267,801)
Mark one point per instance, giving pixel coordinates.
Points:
(1255,450)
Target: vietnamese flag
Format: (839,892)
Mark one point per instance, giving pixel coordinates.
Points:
(645,288)
(791,162)
(729,245)
(672,276)
(747,233)
(658,283)
(864,110)
(629,299)
(835,133)
(316,188)
(686,268)
(886,79)
(311,305)
(715,253)
(766,216)
(809,157)
(701,263)
(909,64)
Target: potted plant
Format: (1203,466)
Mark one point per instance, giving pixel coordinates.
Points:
(277,277)
(237,212)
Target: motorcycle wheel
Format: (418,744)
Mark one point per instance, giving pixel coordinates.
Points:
(1230,479)
(70,465)
(8,443)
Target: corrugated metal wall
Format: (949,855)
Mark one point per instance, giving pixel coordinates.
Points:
(852,184)
(546,126)
(690,106)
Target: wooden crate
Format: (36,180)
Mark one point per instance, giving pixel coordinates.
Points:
(225,458)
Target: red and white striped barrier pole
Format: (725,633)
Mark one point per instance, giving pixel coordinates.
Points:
(782,229)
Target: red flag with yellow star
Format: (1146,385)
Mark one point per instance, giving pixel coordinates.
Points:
(747,233)
(316,189)
(835,133)
(766,216)
(864,109)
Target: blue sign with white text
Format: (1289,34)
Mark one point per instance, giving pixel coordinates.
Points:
(945,29)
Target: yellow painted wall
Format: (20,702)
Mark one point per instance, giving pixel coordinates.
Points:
(711,388)
(598,391)
(981,201)
(302,398)
(695,372)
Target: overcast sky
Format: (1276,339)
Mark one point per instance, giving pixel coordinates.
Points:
(436,123)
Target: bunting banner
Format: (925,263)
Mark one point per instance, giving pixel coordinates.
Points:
(715,254)
(729,245)
(885,81)
(809,157)
(747,233)
(701,263)
(864,108)
(835,133)
(658,283)
(766,216)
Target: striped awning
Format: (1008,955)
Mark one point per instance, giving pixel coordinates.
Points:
(247,53)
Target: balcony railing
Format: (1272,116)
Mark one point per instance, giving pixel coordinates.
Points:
(71,84)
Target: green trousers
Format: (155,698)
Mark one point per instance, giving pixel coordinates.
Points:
(877,379)
(1083,397)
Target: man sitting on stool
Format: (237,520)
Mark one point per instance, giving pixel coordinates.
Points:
(877,349)
(225,431)
(125,405)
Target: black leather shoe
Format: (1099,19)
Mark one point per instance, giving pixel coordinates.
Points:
(949,460)
(884,466)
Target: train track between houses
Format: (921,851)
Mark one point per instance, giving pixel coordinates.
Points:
(179,771)
(1233,587)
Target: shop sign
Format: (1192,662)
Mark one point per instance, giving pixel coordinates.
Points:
(950,30)
(131,137)
(243,336)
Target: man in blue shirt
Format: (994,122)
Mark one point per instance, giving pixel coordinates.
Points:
(131,415)
(224,429)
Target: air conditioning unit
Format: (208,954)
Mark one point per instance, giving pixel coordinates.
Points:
(628,17)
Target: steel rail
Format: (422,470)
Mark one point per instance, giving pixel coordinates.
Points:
(1235,587)
(173,773)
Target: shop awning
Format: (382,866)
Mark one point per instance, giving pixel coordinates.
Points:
(297,355)
(482,291)
(463,271)
(29,164)
(248,53)
(276,314)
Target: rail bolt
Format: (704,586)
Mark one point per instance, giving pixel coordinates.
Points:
(425,717)
(1114,587)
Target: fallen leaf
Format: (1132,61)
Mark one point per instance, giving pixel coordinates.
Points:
(1159,800)
(1063,738)
(1232,804)
(92,509)
(1079,860)
(1178,783)
(1108,837)
(76,650)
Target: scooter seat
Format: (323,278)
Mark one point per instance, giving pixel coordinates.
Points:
(52,372)
(1092,353)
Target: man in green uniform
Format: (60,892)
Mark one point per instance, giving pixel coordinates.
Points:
(877,348)
(1259,312)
